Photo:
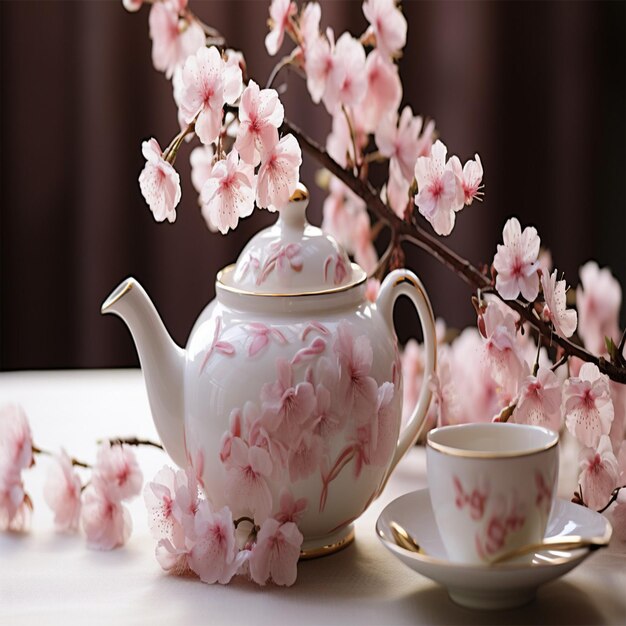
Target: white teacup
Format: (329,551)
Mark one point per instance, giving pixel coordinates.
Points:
(491,486)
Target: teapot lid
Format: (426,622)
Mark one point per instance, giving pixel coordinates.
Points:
(292,257)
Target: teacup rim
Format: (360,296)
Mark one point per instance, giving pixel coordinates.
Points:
(483,454)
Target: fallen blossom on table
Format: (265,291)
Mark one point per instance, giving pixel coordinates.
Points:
(62,493)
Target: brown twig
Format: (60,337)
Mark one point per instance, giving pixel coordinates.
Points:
(462,267)
(73,461)
(133,441)
(614,495)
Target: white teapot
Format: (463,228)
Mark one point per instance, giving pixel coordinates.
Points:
(287,400)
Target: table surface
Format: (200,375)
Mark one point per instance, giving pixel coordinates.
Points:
(47,578)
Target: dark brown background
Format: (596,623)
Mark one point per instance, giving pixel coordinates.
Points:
(538,89)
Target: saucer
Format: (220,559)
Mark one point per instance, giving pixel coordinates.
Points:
(500,586)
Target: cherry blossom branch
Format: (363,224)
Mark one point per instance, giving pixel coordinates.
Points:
(412,233)
(286,61)
(133,441)
(75,462)
(244,518)
(614,495)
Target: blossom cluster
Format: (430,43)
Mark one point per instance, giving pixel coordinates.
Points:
(497,372)
(192,535)
(16,455)
(356,79)
(261,167)
(96,506)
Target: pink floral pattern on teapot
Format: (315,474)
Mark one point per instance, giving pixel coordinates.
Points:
(288,431)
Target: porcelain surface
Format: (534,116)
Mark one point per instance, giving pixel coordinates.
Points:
(484,586)
(493,483)
(287,398)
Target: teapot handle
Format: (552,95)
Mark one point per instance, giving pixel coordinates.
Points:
(398,283)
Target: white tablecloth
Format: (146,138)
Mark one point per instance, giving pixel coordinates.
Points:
(47,578)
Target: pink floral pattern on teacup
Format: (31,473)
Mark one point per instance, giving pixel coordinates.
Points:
(507,516)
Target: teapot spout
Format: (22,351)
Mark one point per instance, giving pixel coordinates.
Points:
(162,362)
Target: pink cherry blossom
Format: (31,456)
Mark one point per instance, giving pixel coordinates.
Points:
(618,516)
(516,262)
(62,492)
(228,193)
(208,83)
(599,473)
(117,472)
(132,5)
(318,64)
(16,440)
(280,12)
(483,397)
(186,495)
(384,428)
(201,160)
(290,510)
(445,392)
(470,177)
(305,456)
(276,552)
(372,288)
(364,251)
(260,115)
(358,390)
(440,195)
(173,556)
(501,349)
(106,522)
(539,400)
(246,484)
(214,556)
(15,504)
(287,406)
(173,40)
(598,299)
(621,462)
(279,174)
(340,211)
(172,502)
(555,308)
(587,405)
(412,376)
(347,82)
(618,426)
(159,182)
(387,23)
(159,496)
(396,193)
(339,143)
(310,24)
(383,93)
(400,141)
